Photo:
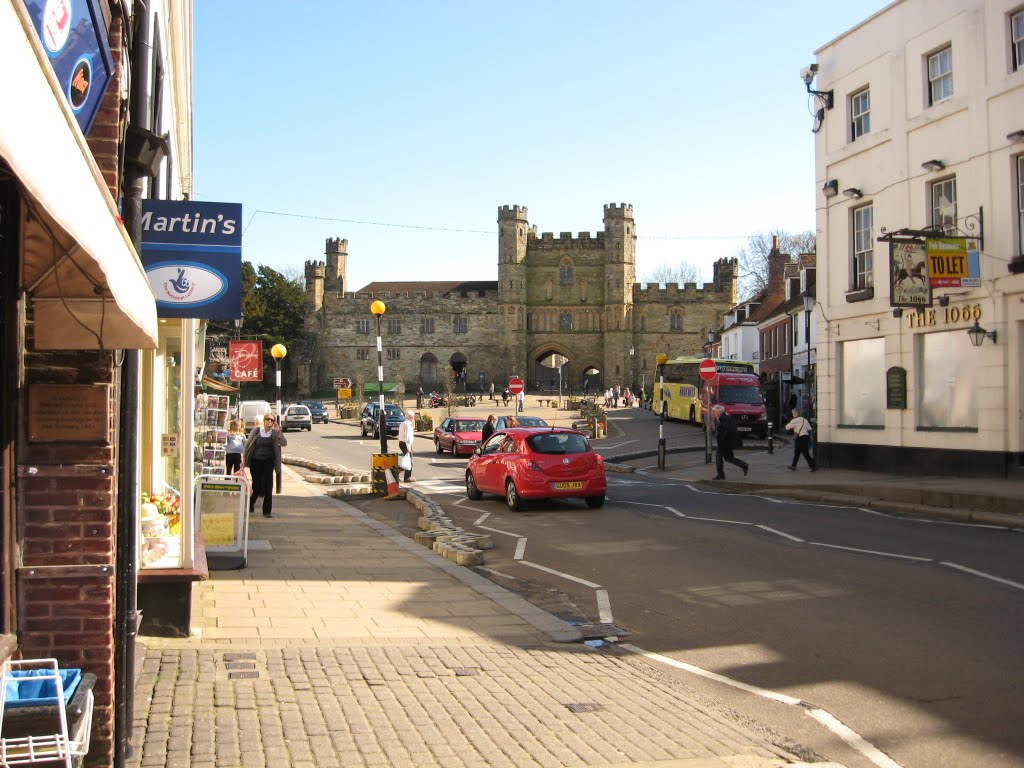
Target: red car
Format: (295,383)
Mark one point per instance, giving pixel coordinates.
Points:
(525,464)
(458,435)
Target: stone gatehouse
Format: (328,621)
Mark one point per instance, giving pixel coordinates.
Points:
(561,306)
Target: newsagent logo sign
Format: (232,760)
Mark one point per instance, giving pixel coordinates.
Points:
(245,360)
(192,253)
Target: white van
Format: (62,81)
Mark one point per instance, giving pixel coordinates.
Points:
(251,413)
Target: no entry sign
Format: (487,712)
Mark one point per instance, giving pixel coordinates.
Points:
(708,370)
(515,386)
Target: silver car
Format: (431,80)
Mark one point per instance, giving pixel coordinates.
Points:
(296,417)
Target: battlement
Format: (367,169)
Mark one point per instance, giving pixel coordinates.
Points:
(315,269)
(676,292)
(584,241)
(618,211)
(337,245)
(512,213)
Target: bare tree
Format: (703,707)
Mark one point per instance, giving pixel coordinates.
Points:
(684,272)
(753,258)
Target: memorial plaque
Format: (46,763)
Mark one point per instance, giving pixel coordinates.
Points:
(69,413)
(896,388)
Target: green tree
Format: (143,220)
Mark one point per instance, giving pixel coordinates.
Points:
(273,307)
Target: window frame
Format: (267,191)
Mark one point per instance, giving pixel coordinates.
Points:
(363,325)
(362,353)
(565,321)
(427,325)
(938,222)
(675,320)
(460,324)
(861,118)
(1016,43)
(394,326)
(939,79)
(1019,159)
(862,262)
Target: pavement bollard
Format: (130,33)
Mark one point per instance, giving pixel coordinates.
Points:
(770,448)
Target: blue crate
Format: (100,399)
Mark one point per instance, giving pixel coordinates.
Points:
(38,688)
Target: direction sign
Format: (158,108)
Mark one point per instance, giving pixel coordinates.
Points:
(708,370)
(515,386)
(342,383)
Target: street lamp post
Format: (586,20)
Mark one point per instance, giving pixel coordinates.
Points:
(278,352)
(661,360)
(632,382)
(377,308)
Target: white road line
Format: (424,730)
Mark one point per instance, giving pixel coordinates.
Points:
(853,738)
(578,580)
(604,607)
(482,517)
(503,533)
(780,533)
(718,520)
(617,445)
(520,549)
(983,575)
(871,552)
(856,741)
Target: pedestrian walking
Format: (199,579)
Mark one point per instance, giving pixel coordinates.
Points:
(505,395)
(728,438)
(801,428)
(406,434)
(491,392)
(262,457)
(234,446)
(488,429)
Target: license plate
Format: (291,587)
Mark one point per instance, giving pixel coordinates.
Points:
(575,486)
(743,429)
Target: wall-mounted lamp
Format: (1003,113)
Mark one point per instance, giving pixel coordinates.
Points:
(943,301)
(1016,137)
(830,188)
(898,312)
(979,334)
(808,74)
(933,165)
(853,193)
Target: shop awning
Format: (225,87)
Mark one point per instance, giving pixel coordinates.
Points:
(86,284)
(219,386)
(372,388)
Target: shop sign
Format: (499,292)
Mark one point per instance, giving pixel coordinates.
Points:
(896,388)
(908,274)
(192,253)
(75,39)
(245,360)
(954,262)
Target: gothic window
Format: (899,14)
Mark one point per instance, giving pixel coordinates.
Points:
(565,321)
(394,325)
(529,321)
(675,320)
(427,325)
(363,326)
(565,272)
(549,286)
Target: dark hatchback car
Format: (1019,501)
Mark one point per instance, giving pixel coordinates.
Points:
(317,410)
(369,420)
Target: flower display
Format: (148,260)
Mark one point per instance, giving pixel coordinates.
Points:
(166,503)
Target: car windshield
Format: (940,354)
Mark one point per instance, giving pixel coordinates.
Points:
(469,425)
(557,442)
(530,421)
(734,394)
(394,410)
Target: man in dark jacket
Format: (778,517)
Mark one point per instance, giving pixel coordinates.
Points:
(728,439)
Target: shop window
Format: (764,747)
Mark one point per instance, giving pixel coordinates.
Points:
(948,389)
(862,383)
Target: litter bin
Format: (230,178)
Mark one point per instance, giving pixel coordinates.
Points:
(380,463)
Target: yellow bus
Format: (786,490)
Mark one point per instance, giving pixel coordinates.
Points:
(737,388)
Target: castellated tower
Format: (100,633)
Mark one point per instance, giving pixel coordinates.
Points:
(314,274)
(513,229)
(620,253)
(337,263)
(727,278)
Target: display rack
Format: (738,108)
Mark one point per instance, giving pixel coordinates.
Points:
(212,429)
(42,678)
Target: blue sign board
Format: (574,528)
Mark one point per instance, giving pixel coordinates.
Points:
(192,253)
(75,38)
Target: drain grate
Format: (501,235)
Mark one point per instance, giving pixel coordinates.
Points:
(584,707)
(590,631)
(240,666)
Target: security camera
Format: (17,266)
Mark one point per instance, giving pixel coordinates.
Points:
(808,73)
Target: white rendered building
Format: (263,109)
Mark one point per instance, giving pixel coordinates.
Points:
(920,132)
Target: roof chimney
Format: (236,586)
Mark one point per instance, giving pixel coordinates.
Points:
(775,242)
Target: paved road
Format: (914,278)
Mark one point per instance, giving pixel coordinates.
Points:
(874,619)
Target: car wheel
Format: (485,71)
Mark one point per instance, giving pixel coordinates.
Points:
(471,490)
(512,496)
(437,446)
(309,428)
(362,430)
(595,502)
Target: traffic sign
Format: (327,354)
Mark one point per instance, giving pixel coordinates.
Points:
(515,386)
(342,383)
(708,370)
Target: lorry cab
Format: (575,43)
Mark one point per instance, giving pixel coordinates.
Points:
(743,399)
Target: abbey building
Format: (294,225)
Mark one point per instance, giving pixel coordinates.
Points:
(563,310)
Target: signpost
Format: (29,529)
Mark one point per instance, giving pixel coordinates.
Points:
(516,387)
(708,370)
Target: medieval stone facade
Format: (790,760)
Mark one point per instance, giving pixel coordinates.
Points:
(568,301)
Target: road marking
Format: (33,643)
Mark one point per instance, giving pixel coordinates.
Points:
(578,580)
(717,520)
(831,722)
(520,549)
(983,575)
(871,552)
(604,607)
(503,533)
(780,533)
(480,520)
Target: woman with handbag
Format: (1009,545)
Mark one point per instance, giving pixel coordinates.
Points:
(262,456)
(801,428)
(406,434)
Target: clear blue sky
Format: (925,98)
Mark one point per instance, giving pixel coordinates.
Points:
(403,126)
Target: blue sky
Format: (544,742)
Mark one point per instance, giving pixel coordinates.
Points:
(404,126)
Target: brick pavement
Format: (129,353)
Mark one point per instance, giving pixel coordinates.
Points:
(342,643)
